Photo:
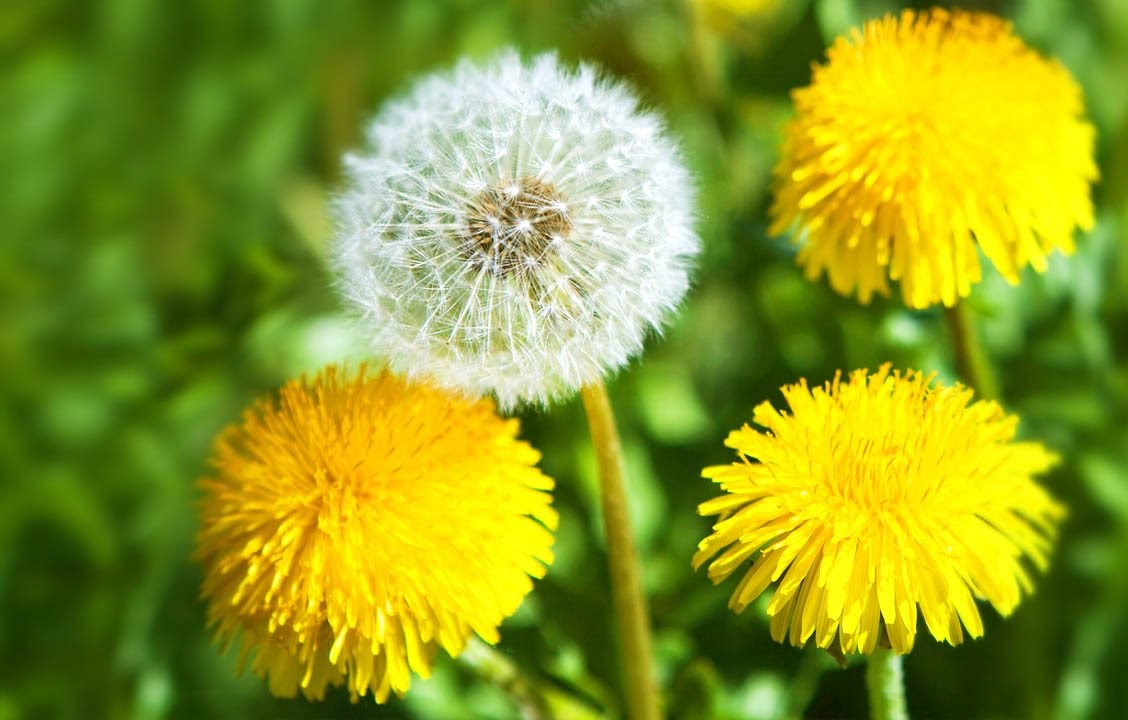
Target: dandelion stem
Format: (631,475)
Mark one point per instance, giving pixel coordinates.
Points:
(704,59)
(972,363)
(885,681)
(536,700)
(626,585)
(707,69)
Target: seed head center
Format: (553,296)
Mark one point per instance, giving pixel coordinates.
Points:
(512,227)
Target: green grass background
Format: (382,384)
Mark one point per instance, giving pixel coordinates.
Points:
(162,241)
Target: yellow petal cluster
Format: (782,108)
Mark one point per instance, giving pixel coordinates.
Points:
(360,522)
(923,140)
(875,499)
(721,12)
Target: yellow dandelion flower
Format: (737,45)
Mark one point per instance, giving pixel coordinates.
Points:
(875,497)
(923,140)
(360,523)
(722,10)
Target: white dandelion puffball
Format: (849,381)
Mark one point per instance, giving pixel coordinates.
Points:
(515,229)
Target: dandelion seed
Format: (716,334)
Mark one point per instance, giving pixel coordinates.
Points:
(874,499)
(924,140)
(515,229)
(361,523)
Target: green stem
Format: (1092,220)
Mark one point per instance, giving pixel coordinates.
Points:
(626,583)
(704,59)
(706,65)
(972,363)
(536,700)
(885,682)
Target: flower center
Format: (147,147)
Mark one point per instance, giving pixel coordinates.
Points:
(513,227)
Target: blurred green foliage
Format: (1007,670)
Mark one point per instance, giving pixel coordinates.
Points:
(167,167)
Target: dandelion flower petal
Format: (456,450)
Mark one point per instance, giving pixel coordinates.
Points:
(361,522)
(923,140)
(876,500)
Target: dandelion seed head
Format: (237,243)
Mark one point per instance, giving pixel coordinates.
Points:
(515,228)
(512,231)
